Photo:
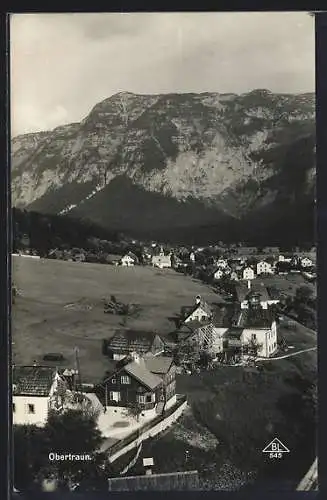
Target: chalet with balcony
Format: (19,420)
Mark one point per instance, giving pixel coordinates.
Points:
(148,381)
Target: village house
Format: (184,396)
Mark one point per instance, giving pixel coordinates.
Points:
(248,273)
(34,389)
(264,267)
(125,342)
(162,261)
(200,311)
(306,262)
(129,260)
(218,274)
(254,328)
(149,382)
(244,295)
(208,335)
(259,326)
(221,263)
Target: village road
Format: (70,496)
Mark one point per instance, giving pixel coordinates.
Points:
(287,355)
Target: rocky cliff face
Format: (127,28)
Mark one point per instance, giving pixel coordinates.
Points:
(149,163)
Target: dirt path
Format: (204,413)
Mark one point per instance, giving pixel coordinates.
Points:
(287,355)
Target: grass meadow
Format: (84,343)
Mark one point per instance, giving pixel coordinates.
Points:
(60,307)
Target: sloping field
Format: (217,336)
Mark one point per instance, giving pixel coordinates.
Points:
(60,307)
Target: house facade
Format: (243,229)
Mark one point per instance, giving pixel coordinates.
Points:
(126,342)
(248,273)
(266,338)
(34,389)
(264,267)
(201,311)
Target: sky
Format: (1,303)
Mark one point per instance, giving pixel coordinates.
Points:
(64,64)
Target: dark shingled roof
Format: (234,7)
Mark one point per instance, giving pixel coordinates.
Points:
(32,380)
(256,318)
(127,341)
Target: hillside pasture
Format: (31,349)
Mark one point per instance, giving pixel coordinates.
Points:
(287,284)
(60,307)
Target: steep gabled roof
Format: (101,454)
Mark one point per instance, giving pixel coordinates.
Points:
(139,371)
(159,365)
(33,380)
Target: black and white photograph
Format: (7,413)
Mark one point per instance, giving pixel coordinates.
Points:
(164,300)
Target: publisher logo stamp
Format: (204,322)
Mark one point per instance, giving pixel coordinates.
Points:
(275,449)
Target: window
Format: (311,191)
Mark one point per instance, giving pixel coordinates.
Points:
(148,398)
(254,336)
(114,396)
(30,408)
(113,381)
(141,398)
(13,407)
(125,379)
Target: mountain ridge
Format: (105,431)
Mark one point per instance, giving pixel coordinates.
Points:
(144,163)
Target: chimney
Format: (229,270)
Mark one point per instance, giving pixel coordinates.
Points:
(198,299)
(249,284)
(136,357)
